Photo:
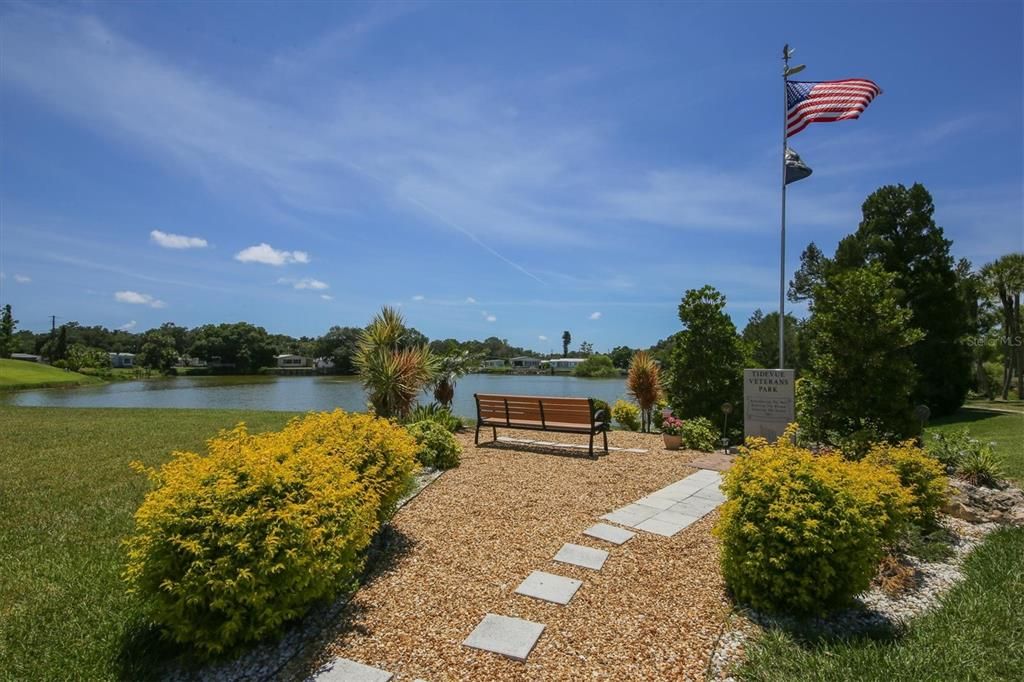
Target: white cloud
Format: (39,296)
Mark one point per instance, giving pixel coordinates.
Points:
(127,326)
(542,338)
(136,298)
(304,283)
(470,300)
(491,318)
(327,297)
(22,279)
(268,255)
(418,297)
(595,316)
(177,241)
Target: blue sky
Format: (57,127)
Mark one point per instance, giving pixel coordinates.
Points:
(497,169)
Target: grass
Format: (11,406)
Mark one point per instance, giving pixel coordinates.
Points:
(17,374)
(1011,405)
(66,502)
(1005,430)
(977,633)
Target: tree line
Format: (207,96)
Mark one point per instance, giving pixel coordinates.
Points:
(894,323)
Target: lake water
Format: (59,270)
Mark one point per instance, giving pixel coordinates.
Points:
(297,394)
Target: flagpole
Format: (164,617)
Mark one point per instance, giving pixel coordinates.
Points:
(782,247)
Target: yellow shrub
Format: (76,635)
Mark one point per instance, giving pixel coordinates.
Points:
(381,452)
(922,474)
(229,546)
(802,532)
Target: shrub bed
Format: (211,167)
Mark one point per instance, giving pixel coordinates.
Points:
(231,545)
(922,475)
(436,446)
(627,415)
(805,533)
(698,434)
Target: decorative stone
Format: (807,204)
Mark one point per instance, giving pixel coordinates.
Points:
(345,670)
(549,587)
(662,528)
(578,555)
(511,637)
(978,504)
(602,531)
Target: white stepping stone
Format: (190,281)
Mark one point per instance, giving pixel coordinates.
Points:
(345,670)
(602,531)
(631,514)
(675,518)
(662,503)
(549,587)
(662,528)
(512,637)
(578,555)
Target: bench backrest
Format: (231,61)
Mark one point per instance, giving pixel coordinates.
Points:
(534,408)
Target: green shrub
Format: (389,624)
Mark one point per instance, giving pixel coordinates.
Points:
(698,434)
(231,545)
(596,366)
(602,406)
(919,472)
(804,533)
(981,466)
(968,457)
(436,446)
(627,414)
(435,413)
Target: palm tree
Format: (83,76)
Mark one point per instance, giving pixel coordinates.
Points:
(566,340)
(644,384)
(393,375)
(1004,279)
(449,369)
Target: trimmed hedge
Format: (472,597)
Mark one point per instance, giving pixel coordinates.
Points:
(804,533)
(231,545)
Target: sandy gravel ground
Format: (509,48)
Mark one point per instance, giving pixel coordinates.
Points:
(465,543)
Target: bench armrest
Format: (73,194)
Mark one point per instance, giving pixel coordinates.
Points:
(601,417)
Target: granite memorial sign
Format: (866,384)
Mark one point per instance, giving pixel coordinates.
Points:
(768,402)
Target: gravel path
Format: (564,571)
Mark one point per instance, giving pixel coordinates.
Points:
(465,543)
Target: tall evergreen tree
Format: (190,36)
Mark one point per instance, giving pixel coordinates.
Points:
(706,367)
(762,338)
(898,232)
(1004,280)
(566,340)
(861,376)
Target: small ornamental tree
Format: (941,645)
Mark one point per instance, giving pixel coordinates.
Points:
(644,383)
(706,367)
(861,377)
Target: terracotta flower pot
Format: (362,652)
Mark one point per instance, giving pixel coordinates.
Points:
(671,442)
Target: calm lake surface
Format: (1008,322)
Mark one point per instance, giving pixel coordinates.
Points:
(296,394)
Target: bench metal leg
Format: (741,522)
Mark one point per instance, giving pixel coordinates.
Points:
(591,443)
(494,433)
(605,434)
(476,438)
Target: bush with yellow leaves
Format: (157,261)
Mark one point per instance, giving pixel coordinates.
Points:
(804,533)
(921,473)
(231,545)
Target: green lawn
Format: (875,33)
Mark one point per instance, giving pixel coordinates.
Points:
(977,633)
(16,374)
(1005,430)
(66,501)
(1011,405)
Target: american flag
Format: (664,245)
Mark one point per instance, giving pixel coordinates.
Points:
(826,101)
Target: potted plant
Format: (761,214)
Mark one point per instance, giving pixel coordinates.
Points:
(670,430)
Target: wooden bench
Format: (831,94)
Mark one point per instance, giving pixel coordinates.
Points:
(541,413)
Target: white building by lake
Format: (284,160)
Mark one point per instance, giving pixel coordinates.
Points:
(564,364)
(493,364)
(526,362)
